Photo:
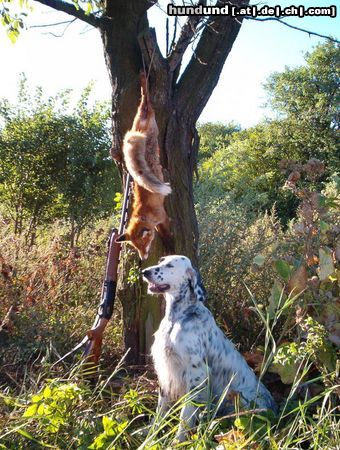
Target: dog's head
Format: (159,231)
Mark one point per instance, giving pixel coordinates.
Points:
(171,273)
(140,235)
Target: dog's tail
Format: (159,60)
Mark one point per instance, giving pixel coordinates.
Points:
(134,155)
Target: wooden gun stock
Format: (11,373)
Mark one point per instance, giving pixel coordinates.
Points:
(95,335)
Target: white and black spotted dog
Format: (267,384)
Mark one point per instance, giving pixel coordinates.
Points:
(190,350)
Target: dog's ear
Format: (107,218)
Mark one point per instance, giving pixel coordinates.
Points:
(201,292)
(196,285)
(192,277)
(121,238)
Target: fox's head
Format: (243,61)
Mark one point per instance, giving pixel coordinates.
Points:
(140,235)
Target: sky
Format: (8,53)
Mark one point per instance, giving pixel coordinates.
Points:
(74,59)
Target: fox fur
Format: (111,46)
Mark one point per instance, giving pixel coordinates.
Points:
(142,159)
(141,149)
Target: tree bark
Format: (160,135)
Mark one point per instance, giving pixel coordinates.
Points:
(127,40)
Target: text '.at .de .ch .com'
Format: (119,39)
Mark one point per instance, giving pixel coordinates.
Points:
(252,10)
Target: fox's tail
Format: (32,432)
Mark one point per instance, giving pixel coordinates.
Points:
(134,155)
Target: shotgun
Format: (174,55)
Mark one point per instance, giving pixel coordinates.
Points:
(95,335)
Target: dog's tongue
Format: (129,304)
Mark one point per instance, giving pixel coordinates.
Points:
(158,288)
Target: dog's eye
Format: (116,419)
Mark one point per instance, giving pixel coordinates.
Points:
(169,265)
(161,259)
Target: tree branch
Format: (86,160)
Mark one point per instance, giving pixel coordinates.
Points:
(187,33)
(64,30)
(68,8)
(277,19)
(204,69)
(155,64)
(45,25)
(150,50)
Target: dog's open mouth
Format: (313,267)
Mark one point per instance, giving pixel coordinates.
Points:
(158,288)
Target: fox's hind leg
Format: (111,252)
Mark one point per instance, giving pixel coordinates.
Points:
(164,231)
(145,112)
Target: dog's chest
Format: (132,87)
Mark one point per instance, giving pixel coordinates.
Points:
(165,345)
(168,362)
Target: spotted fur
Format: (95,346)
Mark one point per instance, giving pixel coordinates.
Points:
(190,350)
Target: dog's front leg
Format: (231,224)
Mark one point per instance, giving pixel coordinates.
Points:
(198,383)
(188,419)
(163,405)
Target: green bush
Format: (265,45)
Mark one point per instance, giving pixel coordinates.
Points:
(244,164)
(230,238)
(54,161)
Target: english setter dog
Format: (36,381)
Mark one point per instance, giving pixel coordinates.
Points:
(190,352)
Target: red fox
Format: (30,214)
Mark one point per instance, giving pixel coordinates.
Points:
(141,155)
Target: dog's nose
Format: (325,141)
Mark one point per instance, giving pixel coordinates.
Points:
(146,273)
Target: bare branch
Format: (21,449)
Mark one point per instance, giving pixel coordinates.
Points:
(185,38)
(277,19)
(167,35)
(64,30)
(174,36)
(150,50)
(45,25)
(68,8)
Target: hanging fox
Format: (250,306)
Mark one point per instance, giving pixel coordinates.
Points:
(142,160)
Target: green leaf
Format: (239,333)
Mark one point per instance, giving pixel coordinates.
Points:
(30,436)
(89,8)
(275,298)
(259,260)
(47,393)
(108,425)
(99,442)
(326,263)
(31,410)
(287,361)
(283,269)
(287,371)
(328,357)
(241,422)
(27,435)
(13,35)
(324,226)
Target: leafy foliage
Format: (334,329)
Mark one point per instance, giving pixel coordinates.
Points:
(54,164)
(246,165)
(307,262)
(213,136)
(230,239)
(310,92)
(12,19)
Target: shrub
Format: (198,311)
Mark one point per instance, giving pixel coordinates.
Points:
(53,292)
(230,238)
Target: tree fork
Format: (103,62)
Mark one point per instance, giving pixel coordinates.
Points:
(178,103)
(126,43)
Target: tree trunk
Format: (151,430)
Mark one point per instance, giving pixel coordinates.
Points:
(178,102)
(127,39)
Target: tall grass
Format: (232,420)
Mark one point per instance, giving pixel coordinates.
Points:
(69,412)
